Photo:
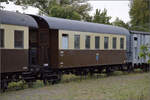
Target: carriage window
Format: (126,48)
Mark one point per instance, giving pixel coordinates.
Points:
(18,39)
(65,42)
(77,41)
(2,38)
(121,43)
(114,41)
(87,42)
(97,42)
(106,40)
(135,38)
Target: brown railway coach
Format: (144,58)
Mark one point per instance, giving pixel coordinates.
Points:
(14,41)
(72,44)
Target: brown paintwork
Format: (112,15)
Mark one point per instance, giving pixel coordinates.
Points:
(84,58)
(13,60)
(0,61)
(53,51)
(43,40)
(48,51)
(47,43)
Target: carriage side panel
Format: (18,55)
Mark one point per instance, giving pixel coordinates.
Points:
(13,58)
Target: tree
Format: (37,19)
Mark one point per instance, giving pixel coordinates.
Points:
(70,9)
(88,18)
(140,15)
(101,17)
(65,12)
(120,23)
(145,53)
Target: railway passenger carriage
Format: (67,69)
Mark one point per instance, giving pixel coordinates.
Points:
(14,45)
(74,44)
(38,47)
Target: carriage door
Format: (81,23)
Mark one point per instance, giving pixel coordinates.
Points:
(43,48)
(43,39)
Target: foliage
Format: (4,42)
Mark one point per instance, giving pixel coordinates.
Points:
(120,23)
(101,17)
(65,12)
(144,53)
(133,86)
(88,18)
(144,28)
(70,9)
(140,15)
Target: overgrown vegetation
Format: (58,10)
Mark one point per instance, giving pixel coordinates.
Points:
(119,86)
(145,53)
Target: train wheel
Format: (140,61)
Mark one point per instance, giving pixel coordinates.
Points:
(56,79)
(91,71)
(148,67)
(30,84)
(45,81)
(109,71)
(3,85)
(1,88)
(145,68)
(130,68)
(59,77)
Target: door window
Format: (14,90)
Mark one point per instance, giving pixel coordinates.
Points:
(65,41)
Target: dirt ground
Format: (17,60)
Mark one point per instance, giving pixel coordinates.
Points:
(117,87)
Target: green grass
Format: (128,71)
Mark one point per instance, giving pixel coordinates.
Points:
(119,86)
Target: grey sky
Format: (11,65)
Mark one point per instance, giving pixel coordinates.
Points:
(115,8)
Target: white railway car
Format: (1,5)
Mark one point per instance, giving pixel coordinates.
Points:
(138,39)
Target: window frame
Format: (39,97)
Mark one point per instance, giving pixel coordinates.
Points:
(115,43)
(122,45)
(107,43)
(78,41)
(65,35)
(97,37)
(87,42)
(2,45)
(22,32)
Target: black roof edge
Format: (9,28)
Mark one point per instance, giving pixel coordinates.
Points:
(139,32)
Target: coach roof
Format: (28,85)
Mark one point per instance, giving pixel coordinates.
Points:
(65,24)
(13,18)
(140,32)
